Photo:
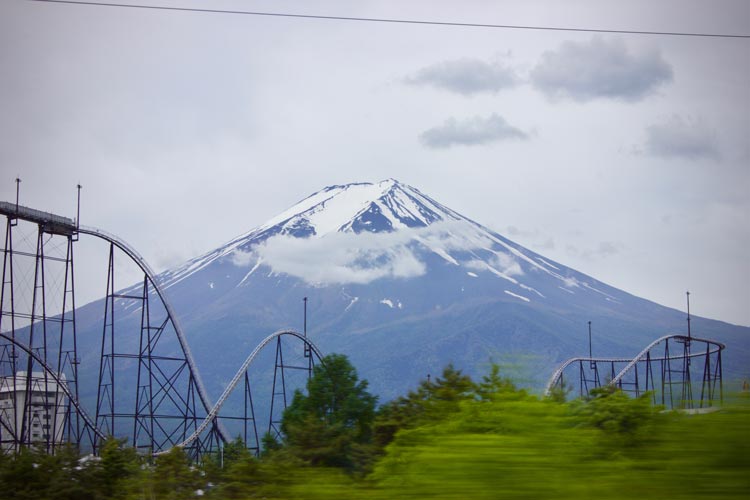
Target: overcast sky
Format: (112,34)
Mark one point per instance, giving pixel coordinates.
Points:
(626,157)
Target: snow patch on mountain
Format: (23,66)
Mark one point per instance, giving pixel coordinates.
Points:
(239,259)
(361,207)
(391,304)
(354,300)
(547,263)
(525,299)
(501,274)
(532,289)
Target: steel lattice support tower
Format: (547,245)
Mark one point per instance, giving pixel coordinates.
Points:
(279,400)
(38,350)
(148,387)
(160,408)
(661,369)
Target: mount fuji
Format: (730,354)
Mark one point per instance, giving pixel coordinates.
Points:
(404,285)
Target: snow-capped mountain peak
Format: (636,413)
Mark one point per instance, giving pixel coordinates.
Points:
(360,207)
(358,233)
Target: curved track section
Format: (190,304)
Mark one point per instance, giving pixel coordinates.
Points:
(213,414)
(555,378)
(717,346)
(60,383)
(141,262)
(714,348)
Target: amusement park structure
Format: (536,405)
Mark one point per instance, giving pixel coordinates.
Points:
(148,389)
(671,369)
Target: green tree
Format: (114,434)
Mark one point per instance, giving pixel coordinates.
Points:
(240,478)
(269,444)
(116,467)
(493,384)
(452,386)
(66,479)
(234,451)
(24,476)
(174,478)
(432,401)
(34,473)
(626,421)
(332,424)
(215,466)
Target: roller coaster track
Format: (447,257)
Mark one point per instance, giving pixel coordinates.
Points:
(141,262)
(718,346)
(712,348)
(557,375)
(214,413)
(60,383)
(168,386)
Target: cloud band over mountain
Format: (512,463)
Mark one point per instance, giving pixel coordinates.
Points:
(361,258)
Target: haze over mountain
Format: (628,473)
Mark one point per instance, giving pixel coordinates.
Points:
(404,285)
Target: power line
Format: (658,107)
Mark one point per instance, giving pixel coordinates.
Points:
(391,21)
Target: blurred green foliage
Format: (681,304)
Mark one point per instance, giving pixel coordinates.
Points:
(430,402)
(450,438)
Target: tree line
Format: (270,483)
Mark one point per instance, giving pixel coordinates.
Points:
(451,437)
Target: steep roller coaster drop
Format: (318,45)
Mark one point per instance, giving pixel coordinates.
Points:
(40,362)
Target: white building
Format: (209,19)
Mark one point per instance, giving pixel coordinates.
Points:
(45,415)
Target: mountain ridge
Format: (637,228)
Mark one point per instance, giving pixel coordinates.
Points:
(404,285)
(303,220)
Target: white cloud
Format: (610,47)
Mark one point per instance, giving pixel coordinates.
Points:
(603,250)
(531,238)
(503,262)
(466,76)
(243,259)
(471,132)
(337,258)
(452,236)
(677,137)
(507,264)
(600,68)
(571,282)
(340,258)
